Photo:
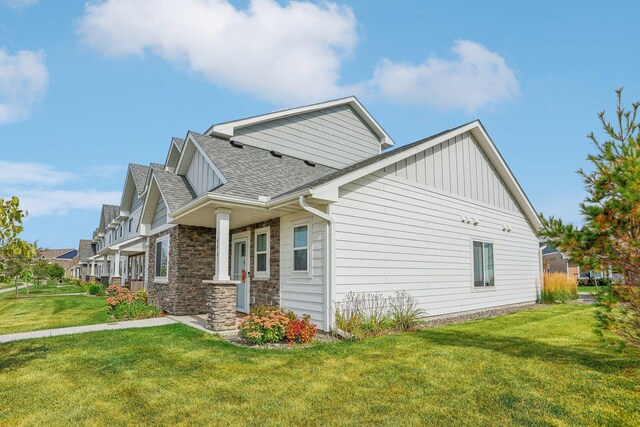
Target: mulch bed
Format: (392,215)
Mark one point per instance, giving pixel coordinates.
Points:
(320,337)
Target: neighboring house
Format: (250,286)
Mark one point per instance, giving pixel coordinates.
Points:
(66,258)
(302,206)
(554,261)
(119,245)
(83,266)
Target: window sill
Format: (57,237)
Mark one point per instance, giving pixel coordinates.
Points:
(302,275)
(261,277)
(162,280)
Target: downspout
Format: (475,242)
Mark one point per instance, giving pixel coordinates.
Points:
(540,249)
(329,256)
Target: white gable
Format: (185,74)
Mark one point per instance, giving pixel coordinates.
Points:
(200,174)
(457,166)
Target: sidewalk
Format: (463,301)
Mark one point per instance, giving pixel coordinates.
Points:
(13,289)
(145,323)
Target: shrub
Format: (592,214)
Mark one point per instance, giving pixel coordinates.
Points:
(301,330)
(124,305)
(264,325)
(368,314)
(94,289)
(143,295)
(405,312)
(559,288)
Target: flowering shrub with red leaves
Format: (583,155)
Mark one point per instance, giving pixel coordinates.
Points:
(301,330)
(266,325)
(124,305)
(271,325)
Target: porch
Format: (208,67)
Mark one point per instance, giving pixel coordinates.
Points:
(199,321)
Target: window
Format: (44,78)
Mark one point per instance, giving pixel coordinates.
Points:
(262,253)
(301,248)
(162,259)
(130,224)
(483,264)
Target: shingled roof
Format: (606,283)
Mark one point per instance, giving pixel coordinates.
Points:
(175,189)
(253,172)
(139,174)
(110,212)
(85,250)
(179,142)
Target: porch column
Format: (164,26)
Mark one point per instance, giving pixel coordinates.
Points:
(105,266)
(116,267)
(93,268)
(222,245)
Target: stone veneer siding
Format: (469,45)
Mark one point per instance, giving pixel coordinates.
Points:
(191,261)
(221,303)
(264,291)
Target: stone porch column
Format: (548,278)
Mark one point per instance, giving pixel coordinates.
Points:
(221,305)
(222,245)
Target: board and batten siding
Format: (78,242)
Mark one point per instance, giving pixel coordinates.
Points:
(160,214)
(458,166)
(334,137)
(394,233)
(200,174)
(300,292)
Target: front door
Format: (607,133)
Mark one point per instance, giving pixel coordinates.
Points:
(240,270)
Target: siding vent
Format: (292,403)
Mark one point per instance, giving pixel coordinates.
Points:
(236,144)
(275,153)
(310,163)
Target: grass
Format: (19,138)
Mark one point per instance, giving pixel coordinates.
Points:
(538,367)
(590,289)
(32,314)
(41,290)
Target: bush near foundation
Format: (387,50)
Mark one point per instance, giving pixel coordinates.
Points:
(266,324)
(124,305)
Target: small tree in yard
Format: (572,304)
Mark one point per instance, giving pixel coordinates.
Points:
(40,269)
(56,272)
(15,254)
(610,236)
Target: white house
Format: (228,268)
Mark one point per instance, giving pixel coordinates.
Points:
(301,206)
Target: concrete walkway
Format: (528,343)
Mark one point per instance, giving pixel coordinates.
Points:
(12,289)
(586,298)
(145,323)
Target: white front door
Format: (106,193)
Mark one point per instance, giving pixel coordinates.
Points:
(240,271)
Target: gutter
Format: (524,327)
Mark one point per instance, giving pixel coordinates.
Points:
(329,256)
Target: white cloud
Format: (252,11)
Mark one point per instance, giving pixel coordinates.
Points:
(60,202)
(28,173)
(287,53)
(23,83)
(105,171)
(20,4)
(475,78)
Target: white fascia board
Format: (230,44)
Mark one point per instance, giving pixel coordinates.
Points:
(145,204)
(207,198)
(227,130)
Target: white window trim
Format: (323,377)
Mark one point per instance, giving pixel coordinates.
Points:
(162,279)
(475,288)
(307,272)
(262,274)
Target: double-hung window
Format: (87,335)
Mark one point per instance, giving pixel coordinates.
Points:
(162,259)
(130,224)
(262,253)
(483,264)
(301,248)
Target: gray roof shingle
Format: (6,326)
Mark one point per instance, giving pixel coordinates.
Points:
(175,188)
(179,142)
(253,172)
(139,173)
(110,212)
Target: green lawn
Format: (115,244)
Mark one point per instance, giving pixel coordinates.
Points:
(540,367)
(590,289)
(51,289)
(34,313)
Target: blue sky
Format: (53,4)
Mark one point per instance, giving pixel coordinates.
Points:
(87,88)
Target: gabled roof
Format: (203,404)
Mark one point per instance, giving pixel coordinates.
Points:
(175,148)
(55,253)
(251,172)
(139,174)
(227,129)
(109,213)
(175,189)
(85,250)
